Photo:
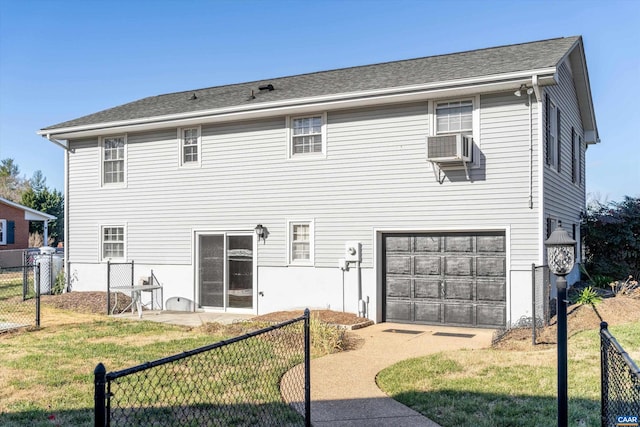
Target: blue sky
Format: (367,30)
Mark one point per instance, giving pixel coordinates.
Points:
(60,60)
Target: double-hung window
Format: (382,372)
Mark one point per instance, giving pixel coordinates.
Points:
(553,135)
(113,160)
(576,147)
(301,242)
(454,116)
(307,135)
(3,231)
(189,146)
(112,242)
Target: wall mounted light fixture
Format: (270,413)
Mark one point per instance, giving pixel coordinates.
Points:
(261,232)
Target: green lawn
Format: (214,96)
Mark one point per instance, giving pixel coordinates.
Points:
(46,375)
(489,388)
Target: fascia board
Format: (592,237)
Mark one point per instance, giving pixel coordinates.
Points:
(293,106)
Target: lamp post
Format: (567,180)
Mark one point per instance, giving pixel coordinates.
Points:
(560,258)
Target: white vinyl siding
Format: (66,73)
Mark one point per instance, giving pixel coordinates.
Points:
(113,160)
(563,199)
(375,177)
(189,146)
(112,242)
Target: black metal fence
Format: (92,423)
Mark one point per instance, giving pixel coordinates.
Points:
(260,378)
(19,297)
(620,382)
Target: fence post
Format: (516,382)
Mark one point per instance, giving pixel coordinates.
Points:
(604,373)
(99,395)
(533,303)
(37,285)
(307,369)
(108,287)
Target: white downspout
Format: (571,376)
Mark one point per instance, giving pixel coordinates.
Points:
(67,265)
(538,92)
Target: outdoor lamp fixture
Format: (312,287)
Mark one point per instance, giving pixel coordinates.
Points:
(261,233)
(523,89)
(560,258)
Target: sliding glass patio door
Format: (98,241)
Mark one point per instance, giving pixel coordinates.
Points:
(225,270)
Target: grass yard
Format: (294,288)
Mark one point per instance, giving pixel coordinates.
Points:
(46,375)
(489,388)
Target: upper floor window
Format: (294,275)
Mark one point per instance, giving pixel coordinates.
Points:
(112,242)
(308,134)
(113,160)
(301,242)
(454,116)
(576,157)
(189,146)
(553,148)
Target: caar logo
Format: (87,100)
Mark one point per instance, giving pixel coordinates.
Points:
(627,421)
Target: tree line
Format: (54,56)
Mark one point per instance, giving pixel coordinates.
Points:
(35,194)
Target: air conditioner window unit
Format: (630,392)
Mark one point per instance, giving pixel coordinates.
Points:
(450,148)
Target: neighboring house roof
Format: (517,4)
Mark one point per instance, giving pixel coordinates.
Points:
(29,214)
(506,63)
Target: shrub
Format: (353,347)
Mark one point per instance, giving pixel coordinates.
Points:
(588,296)
(628,287)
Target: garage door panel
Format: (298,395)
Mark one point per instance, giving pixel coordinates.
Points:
(398,244)
(491,243)
(458,266)
(459,314)
(458,289)
(399,265)
(425,288)
(490,266)
(399,310)
(458,244)
(456,278)
(490,315)
(427,265)
(428,313)
(428,244)
(399,287)
(491,290)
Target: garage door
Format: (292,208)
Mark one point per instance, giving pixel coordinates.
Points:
(445,278)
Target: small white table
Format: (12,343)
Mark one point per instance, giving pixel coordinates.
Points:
(136,296)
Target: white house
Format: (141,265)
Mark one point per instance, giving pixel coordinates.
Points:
(414,191)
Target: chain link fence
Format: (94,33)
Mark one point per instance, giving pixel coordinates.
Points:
(620,381)
(118,274)
(19,297)
(260,378)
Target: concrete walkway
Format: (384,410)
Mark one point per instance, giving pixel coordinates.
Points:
(343,385)
(344,392)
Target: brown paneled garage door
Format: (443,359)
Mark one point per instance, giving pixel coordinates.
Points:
(445,278)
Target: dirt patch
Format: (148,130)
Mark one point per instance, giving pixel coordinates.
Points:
(614,311)
(325,316)
(86,302)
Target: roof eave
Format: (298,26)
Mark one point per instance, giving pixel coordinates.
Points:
(293,106)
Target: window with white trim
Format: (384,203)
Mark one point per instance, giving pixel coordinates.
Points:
(301,242)
(308,134)
(553,135)
(112,241)
(113,160)
(3,231)
(189,146)
(454,116)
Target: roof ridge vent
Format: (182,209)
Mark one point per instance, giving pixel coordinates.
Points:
(268,87)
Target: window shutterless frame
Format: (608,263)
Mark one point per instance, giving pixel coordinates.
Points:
(453,116)
(112,242)
(113,161)
(307,136)
(190,143)
(300,242)
(3,231)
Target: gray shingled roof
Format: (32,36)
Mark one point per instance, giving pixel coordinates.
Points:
(432,69)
